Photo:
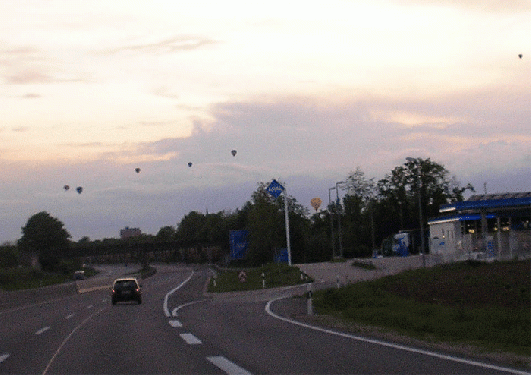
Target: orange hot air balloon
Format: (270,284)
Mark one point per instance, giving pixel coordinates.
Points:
(316,203)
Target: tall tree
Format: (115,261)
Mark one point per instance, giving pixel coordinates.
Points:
(356,230)
(46,236)
(189,229)
(418,186)
(166,233)
(265,226)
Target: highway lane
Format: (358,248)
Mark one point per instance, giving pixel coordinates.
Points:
(86,334)
(30,333)
(263,344)
(135,339)
(178,329)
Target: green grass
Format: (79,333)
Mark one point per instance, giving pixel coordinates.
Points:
(29,278)
(276,275)
(484,304)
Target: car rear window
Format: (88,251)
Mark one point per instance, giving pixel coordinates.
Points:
(125,284)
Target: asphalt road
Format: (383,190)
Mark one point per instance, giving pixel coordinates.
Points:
(178,329)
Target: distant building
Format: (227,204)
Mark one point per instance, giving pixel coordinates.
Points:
(494,226)
(130,232)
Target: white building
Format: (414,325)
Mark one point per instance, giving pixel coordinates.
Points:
(496,226)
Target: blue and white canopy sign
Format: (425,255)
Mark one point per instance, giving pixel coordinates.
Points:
(275,188)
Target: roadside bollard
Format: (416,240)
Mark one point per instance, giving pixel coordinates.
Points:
(338,282)
(309,299)
(214,283)
(263,280)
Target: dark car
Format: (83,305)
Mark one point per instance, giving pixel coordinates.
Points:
(126,289)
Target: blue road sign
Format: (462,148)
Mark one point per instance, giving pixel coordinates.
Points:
(238,243)
(275,188)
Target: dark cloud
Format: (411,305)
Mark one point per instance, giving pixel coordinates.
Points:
(309,136)
(306,143)
(31,96)
(21,129)
(175,44)
(28,77)
(28,65)
(490,6)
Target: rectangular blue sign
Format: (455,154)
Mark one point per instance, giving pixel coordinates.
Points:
(282,256)
(238,243)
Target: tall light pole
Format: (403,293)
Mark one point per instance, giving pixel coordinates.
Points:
(339,220)
(331,223)
(418,172)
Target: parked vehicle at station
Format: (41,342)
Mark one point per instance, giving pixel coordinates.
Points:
(126,289)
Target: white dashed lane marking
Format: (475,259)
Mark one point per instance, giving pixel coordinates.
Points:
(69,316)
(227,366)
(190,339)
(175,324)
(42,330)
(3,357)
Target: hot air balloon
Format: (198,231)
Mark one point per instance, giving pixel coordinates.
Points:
(316,203)
(520,55)
(233,152)
(66,187)
(137,170)
(79,189)
(189,164)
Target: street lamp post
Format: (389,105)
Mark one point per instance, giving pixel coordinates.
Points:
(331,223)
(419,177)
(339,220)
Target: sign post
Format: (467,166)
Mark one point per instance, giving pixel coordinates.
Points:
(275,189)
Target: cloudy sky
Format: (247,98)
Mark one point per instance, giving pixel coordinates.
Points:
(306,92)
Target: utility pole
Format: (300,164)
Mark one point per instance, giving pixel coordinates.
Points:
(340,232)
(418,172)
(331,211)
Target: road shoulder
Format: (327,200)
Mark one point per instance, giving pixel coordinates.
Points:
(295,308)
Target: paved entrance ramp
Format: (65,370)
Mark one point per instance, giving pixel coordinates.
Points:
(329,274)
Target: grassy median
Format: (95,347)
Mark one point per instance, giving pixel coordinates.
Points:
(270,276)
(483,304)
(19,278)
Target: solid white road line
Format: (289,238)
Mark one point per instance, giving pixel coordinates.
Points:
(175,310)
(391,345)
(3,357)
(165,304)
(42,330)
(175,324)
(68,338)
(227,366)
(69,316)
(190,339)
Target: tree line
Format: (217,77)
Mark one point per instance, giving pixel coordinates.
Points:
(365,213)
